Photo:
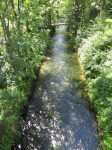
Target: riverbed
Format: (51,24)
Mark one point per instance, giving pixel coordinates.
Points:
(59,116)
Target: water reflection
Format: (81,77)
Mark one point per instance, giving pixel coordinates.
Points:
(58,116)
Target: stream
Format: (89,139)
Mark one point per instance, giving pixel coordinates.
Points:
(59,116)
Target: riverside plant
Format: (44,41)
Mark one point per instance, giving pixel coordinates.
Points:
(95,50)
(17,72)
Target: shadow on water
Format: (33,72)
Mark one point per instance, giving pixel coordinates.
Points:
(59,116)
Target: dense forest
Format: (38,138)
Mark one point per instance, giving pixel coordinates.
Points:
(26,29)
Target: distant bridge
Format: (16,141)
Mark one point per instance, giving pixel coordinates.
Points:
(58,24)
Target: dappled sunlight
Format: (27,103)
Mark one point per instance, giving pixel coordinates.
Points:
(59,116)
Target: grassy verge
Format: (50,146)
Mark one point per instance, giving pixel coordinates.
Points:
(95,49)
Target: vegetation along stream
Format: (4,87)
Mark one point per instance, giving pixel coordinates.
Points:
(59,115)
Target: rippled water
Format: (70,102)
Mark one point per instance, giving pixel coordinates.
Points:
(59,116)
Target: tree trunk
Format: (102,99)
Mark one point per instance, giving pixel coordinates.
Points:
(12,3)
(103,6)
(76,17)
(19,16)
(5,32)
(50,19)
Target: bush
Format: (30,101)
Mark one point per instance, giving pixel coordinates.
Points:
(12,102)
(95,49)
(18,69)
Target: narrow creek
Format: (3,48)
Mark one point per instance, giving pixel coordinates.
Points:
(59,115)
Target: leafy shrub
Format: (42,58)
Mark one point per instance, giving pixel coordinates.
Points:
(95,49)
(100,94)
(12,102)
(17,72)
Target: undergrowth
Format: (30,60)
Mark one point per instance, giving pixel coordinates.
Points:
(17,71)
(94,44)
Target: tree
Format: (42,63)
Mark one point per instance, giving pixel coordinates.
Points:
(23,42)
(74,9)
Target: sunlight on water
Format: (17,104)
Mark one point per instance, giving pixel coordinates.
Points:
(59,116)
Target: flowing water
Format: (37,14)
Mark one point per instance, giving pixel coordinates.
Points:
(59,116)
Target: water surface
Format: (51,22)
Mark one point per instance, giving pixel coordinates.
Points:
(59,115)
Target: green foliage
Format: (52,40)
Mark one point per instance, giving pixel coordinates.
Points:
(23,43)
(108,20)
(94,45)
(100,94)
(78,13)
(11,104)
